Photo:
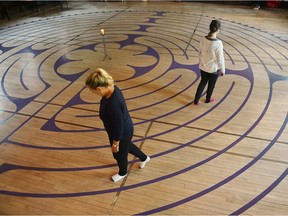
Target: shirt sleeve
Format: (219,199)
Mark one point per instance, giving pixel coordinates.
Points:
(200,48)
(117,120)
(220,57)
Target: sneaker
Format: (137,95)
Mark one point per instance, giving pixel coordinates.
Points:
(118,177)
(257,7)
(143,164)
(197,103)
(211,100)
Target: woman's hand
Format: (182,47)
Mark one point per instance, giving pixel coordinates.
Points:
(115,146)
(222,73)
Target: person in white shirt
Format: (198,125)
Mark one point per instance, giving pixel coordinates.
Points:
(211,62)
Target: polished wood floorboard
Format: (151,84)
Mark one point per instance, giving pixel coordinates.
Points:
(229,157)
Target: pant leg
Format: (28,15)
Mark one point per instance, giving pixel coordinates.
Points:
(201,86)
(211,85)
(122,156)
(134,150)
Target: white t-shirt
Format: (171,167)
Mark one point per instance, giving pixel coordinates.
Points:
(211,57)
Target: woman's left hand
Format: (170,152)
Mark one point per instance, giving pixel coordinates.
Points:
(115,149)
(115,146)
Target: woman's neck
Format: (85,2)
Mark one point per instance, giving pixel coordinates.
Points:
(213,35)
(110,90)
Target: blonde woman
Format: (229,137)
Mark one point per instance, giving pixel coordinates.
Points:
(116,119)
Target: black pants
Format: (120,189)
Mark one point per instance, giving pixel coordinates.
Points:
(125,147)
(211,78)
(4,13)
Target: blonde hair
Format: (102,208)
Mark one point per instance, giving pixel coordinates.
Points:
(99,78)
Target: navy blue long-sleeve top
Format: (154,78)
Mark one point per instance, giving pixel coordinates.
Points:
(115,116)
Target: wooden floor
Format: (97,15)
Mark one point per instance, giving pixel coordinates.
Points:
(224,158)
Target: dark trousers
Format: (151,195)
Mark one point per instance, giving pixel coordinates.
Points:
(125,147)
(211,78)
(4,13)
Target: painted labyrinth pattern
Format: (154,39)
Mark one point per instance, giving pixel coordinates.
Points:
(226,157)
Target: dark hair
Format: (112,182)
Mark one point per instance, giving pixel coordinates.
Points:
(215,25)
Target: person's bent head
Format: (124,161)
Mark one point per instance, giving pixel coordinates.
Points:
(99,78)
(98,81)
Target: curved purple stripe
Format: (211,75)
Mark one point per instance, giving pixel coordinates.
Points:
(3,78)
(21,79)
(262,195)
(57,148)
(8,167)
(19,102)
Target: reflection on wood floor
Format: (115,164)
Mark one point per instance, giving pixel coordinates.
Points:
(225,157)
